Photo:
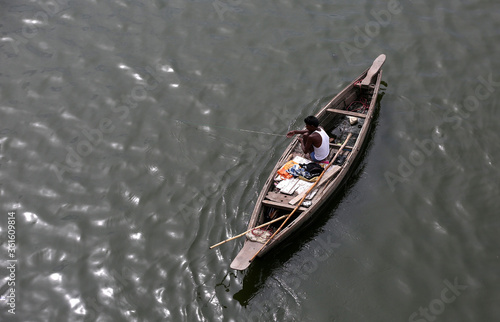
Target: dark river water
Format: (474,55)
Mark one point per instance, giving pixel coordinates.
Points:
(135,134)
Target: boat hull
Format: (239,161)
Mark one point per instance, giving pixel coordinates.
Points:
(365,85)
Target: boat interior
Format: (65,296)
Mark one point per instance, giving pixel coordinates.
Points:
(338,119)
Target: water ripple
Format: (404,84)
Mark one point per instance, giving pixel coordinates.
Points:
(121,233)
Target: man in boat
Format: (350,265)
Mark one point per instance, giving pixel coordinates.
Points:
(314,141)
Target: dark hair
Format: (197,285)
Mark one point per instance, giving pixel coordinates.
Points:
(312,120)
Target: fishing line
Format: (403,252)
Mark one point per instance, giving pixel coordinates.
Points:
(207,128)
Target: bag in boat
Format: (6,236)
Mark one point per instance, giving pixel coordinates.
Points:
(259,235)
(312,168)
(305,171)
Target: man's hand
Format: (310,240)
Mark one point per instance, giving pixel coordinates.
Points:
(290,134)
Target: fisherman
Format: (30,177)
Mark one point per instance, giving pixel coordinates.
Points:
(314,141)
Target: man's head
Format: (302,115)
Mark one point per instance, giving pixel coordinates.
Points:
(312,122)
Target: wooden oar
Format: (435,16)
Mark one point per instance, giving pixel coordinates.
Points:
(244,233)
(303,198)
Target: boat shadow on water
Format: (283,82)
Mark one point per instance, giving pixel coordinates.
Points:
(255,277)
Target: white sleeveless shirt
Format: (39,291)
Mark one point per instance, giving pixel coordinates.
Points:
(322,152)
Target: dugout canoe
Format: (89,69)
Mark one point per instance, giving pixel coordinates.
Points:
(355,103)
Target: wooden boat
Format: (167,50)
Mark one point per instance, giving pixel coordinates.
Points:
(356,100)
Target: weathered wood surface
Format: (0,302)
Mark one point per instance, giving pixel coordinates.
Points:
(278,197)
(338,145)
(242,260)
(377,64)
(281,205)
(360,115)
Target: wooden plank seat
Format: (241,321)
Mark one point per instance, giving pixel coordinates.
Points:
(336,145)
(278,197)
(281,205)
(333,110)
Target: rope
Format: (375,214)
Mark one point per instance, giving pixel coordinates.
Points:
(203,127)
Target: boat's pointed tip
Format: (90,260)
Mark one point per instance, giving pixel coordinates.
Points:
(245,256)
(241,266)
